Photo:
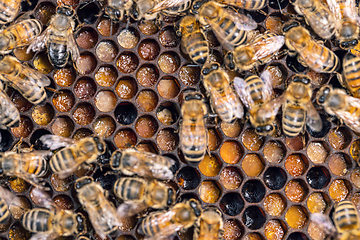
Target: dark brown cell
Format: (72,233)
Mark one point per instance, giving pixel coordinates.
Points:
(167,140)
(168,38)
(147,75)
(147,147)
(64,77)
(126,88)
(189,75)
(147,100)
(148,49)
(105,101)
(127,62)
(44,12)
(106,51)
(106,25)
(146,126)
(21,103)
(317,78)
(82,133)
(17,232)
(59,184)
(21,54)
(24,129)
(62,126)
(87,38)
(169,62)
(106,76)
(168,87)
(297,143)
(86,63)
(19,185)
(84,114)
(85,88)
(64,202)
(104,126)
(125,138)
(63,101)
(148,27)
(211,39)
(18,209)
(42,63)
(128,38)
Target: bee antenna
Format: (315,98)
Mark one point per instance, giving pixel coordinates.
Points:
(279,6)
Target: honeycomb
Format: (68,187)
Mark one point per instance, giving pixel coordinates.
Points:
(131,93)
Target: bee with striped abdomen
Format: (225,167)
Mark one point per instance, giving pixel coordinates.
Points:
(29,82)
(9,114)
(7,200)
(258,52)
(317,15)
(171,7)
(223,99)
(162,224)
(193,134)
(193,40)
(52,222)
(337,103)
(351,74)
(139,194)
(58,38)
(144,164)
(9,10)
(254,92)
(101,212)
(311,53)
(230,28)
(245,4)
(28,165)
(209,225)
(75,152)
(19,34)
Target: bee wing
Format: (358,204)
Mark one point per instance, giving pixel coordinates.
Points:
(158,170)
(165,4)
(35,76)
(313,118)
(240,87)
(323,221)
(7,108)
(9,197)
(268,46)
(38,153)
(265,76)
(40,42)
(241,21)
(126,210)
(71,44)
(271,108)
(44,200)
(45,236)
(335,9)
(68,171)
(55,142)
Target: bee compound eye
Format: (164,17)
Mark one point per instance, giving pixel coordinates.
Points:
(116,159)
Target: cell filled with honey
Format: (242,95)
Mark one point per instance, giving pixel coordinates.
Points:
(104,126)
(85,88)
(106,27)
(317,152)
(274,204)
(83,114)
(147,100)
(338,164)
(168,37)
(146,126)
(86,63)
(251,140)
(148,27)
(148,49)
(316,203)
(147,75)
(189,75)
(87,38)
(168,87)
(209,192)
(230,178)
(274,152)
(339,138)
(126,88)
(295,191)
(295,164)
(274,230)
(210,166)
(24,129)
(296,217)
(252,165)
(296,143)
(125,138)
(339,190)
(63,126)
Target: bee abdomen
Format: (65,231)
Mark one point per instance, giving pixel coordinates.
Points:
(293,120)
(62,160)
(345,215)
(232,34)
(23,32)
(8,10)
(37,167)
(149,226)
(129,189)
(11,116)
(36,220)
(352,72)
(4,212)
(58,54)
(197,48)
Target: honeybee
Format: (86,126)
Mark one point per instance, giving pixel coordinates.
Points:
(223,99)
(162,224)
(298,108)
(193,134)
(131,161)
(75,153)
(346,219)
(229,27)
(29,82)
(52,222)
(116,9)
(351,73)
(311,53)
(245,4)
(254,92)
(209,225)
(9,10)
(318,16)
(58,38)
(337,102)
(19,34)
(101,212)
(151,9)
(139,194)
(9,114)
(346,22)
(258,52)
(28,165)
(193,40)
(7,199)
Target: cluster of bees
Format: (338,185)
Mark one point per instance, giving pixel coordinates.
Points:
(143,187)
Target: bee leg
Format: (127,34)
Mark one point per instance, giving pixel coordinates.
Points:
(52,89)
(17,146)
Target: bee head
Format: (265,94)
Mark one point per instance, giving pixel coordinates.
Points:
(66,10)
(301,79)
(195,205)
(196,6)
(209,68)
(115,160)
(100,144)
(209,10)
(264,129)
(81,182)
(349,44)
(229,61)
(290,24)
(171,197)
(81,220)
(193,96)
(322,94)
(112,13)
(134,12)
